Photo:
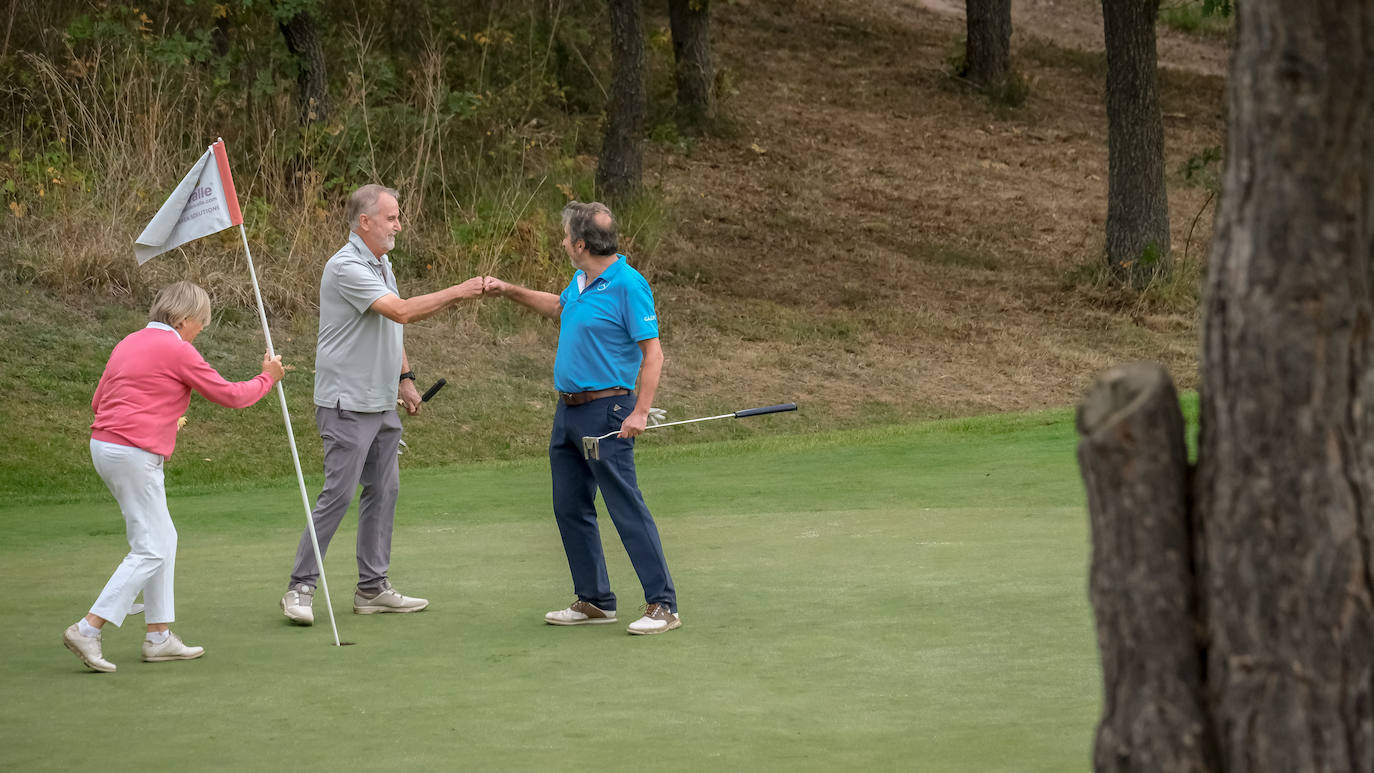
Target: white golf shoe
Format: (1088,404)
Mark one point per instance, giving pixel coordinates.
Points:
(87,648)
(580,613)
(297,604)
(171,648)
(657,619)
(386,600)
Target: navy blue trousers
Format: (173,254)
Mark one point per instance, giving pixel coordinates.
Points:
(575,483)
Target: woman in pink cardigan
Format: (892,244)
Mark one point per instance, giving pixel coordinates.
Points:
(144,391)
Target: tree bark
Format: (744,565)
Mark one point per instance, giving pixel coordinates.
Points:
(987,55)
(620,168)
(1281,506)
(219,34)
(1285,483)
(1137,201)
(690,21)
(1135,466)
(304,41)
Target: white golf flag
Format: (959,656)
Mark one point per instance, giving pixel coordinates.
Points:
(204,203)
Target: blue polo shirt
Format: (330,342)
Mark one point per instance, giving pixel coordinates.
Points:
(601,326)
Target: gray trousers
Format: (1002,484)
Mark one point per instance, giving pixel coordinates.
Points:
(358,448)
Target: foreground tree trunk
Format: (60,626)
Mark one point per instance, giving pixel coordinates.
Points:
(690,21)
(1274,537)
(1285,484)
(305,42)
(1137,201)
(619,169)
(987,56)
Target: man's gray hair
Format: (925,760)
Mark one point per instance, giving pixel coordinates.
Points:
(364,201)
(581,221)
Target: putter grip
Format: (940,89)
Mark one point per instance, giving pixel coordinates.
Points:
(432,391)
(769,409)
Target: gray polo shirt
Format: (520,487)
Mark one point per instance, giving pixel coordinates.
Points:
(358,353)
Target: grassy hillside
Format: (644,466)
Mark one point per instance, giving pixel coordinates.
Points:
(862,235)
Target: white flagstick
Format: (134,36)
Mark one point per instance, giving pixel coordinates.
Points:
(291,436)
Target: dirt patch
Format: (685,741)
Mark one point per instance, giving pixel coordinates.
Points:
(1078,24)
(876,238)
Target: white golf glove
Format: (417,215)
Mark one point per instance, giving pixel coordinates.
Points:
(656,416)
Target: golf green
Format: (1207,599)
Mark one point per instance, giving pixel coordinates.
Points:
(902,599)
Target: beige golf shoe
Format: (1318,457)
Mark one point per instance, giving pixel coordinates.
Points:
(297,604)
(172,648)
(87,648)
(386,600)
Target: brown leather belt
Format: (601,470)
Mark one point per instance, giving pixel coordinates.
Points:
(578,398)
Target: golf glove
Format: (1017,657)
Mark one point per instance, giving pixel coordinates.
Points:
(656,416)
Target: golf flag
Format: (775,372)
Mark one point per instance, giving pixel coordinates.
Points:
(204,203)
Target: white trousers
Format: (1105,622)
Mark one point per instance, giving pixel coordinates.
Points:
(134,476)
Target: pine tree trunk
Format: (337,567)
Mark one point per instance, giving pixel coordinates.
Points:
(1285,483)
(690,21)
(619,170)
(1137,201)
(987,55)
(304,41)
(1279,513)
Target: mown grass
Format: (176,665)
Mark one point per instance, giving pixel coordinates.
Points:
(896,598)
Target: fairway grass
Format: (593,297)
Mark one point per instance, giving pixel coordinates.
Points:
(899,599)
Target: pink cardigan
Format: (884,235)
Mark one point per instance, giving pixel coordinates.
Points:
(147,385)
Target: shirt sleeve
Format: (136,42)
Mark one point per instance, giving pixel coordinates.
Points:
(641,322)
(358,285)
(196,373)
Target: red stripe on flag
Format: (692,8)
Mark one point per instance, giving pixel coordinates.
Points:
(227,181)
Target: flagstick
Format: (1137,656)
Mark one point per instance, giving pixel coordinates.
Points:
(291,436)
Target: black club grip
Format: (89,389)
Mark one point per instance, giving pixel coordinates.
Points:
(769,409)
(434,390)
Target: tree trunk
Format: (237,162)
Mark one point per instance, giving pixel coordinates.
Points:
(690,21)
(1137,202)
(987,56)
(1285,483)
(1135,466)
(219,34)
(304,41)
(1281,507)
(619,170)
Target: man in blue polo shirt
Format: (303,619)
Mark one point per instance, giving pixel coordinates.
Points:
(607,341)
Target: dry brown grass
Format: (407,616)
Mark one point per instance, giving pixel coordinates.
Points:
(939,247)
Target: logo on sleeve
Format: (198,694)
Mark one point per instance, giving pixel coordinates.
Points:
(651,318)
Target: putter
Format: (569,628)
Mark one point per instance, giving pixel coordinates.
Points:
(591,446)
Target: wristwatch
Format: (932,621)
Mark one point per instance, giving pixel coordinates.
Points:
(410,374)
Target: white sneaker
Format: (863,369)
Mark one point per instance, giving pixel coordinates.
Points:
(172,648)
(87,648)
(296,604)
(580,613)
(657,619)
(386,600)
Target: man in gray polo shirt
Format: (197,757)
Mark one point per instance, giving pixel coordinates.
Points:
(360,369)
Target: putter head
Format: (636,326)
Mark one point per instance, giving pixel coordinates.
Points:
(591,448)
